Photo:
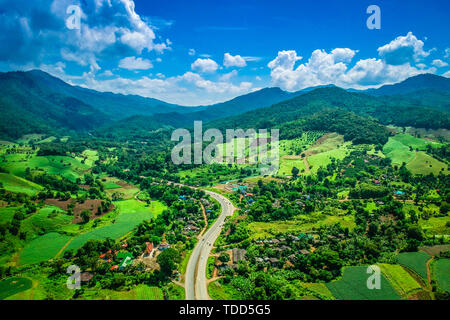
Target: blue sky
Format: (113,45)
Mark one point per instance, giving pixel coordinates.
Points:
(202,52)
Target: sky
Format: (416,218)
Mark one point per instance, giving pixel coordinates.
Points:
(204,52)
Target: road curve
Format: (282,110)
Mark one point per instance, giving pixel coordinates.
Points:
(195,277)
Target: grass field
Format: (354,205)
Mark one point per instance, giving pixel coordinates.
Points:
(400,279)
(397,152)
(442,273)
(435,225)
(7,213)
(141,292)
(13,285)
(43,248)
(305,223)
(287,164)
(16,184)
(353,286)
(415,261)
(218,291)
(424,164)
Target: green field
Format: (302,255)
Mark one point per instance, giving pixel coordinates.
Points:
(320,289)
(415,261)
(436,225)
(400,279)
(442,273)
(47,219)
(304,223)
(43,248)
(7,213)
(67,167)
(13,285)
(397,152)
(132,213)
(16,184)
(218,291)
(424,164)
(286,166)
(353,286)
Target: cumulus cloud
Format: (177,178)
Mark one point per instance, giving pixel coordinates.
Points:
(35,32)
(321,68)
(403,49)
(133,63)
(396,62)
(439,63)
(204,65)
(233,61)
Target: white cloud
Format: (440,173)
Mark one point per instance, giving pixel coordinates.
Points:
(447,74)
(233,61)
(133,63)
(204,65)
(321,68)
(228,76)
(396,63)
(439,63)
(403,49)
(191,52)
(447,53)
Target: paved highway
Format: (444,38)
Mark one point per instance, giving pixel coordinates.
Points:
(195,277)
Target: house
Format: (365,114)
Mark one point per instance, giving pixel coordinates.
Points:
(259,260)
(238,254)
(86,276)
(273,261)
(304,252)
(163,246)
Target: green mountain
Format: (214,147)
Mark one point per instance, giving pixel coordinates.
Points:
(29,106)
(420,82)
(328,108)
(116,106)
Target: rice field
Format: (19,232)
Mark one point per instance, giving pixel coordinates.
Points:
(400,279)
(415,261)
(353,286)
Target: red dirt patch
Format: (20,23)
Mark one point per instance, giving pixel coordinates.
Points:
(90,205)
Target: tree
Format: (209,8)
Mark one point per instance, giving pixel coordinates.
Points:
(85,215)
(295,172)
(224,257)
(168,260)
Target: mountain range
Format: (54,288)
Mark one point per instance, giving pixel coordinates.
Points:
(36,102)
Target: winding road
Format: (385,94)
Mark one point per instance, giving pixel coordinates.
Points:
(195,277)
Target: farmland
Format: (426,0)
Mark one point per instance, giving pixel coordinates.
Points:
(11,286)
(415,261)
(401,280)
(353,286)
(441,268)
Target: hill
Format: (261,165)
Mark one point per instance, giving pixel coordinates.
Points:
(416,83)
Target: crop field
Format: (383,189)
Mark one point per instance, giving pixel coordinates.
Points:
(400,279)
(11,286)
(131,214)
(353,286)
(16,184)
(441,273)
(89,157)
(47,219)
(43,248)
(67,167)
(319,288)
(415,261)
